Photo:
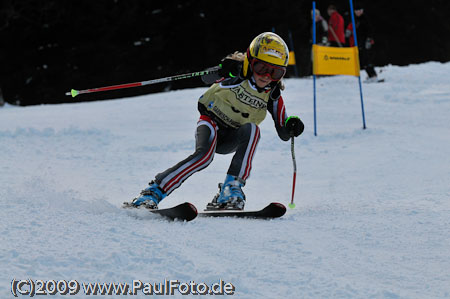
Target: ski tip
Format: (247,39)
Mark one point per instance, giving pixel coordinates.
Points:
(191,206)
(278,204)
(279,207)
(190,211)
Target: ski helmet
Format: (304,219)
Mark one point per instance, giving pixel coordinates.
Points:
(267,47)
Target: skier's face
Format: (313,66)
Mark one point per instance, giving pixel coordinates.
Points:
(262,81)
(264,73)
(359,12)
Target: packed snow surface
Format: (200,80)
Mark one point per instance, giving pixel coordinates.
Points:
(372,216)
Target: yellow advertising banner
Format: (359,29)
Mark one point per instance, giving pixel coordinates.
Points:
(335,61)
(291,58)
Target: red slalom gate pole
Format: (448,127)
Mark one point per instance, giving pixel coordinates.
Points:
(75,92)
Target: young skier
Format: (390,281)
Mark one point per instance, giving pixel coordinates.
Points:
(230,112)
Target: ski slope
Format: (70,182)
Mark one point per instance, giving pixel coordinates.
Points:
(373,206)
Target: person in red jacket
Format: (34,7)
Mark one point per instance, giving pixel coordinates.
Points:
(336,33)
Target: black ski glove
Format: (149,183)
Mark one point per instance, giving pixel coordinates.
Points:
(211,78)
(230,68)
(294,126)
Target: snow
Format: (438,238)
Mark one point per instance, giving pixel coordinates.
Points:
(373,206)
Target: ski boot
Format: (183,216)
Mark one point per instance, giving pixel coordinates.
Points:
(373,79)
(230,196)
(149,198)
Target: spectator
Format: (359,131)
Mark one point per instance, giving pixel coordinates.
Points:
(321,29)
(365,42)
(321,35)
(336,34)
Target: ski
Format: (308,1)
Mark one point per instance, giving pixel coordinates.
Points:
(273,210)
(376,81)
(183,212)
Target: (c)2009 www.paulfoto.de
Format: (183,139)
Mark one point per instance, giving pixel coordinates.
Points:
(31,287)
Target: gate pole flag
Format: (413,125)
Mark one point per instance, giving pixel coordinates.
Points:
(336,61)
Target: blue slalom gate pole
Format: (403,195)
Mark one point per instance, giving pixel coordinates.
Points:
(314,76)
(352,13)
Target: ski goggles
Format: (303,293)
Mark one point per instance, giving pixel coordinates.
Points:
(263,68)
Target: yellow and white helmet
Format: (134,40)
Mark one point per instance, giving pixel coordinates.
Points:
(267,47)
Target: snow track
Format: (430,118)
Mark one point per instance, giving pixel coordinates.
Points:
(373,206)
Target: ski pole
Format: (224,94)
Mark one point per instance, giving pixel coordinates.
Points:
(335,37)
(292,204)
(74,92)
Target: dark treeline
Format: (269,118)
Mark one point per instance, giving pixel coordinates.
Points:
(48,47)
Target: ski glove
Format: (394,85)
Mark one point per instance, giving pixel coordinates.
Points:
(369,43)
(348,33)
(230,68)
(294,126)
(211,78)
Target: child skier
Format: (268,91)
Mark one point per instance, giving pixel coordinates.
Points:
(230,112)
